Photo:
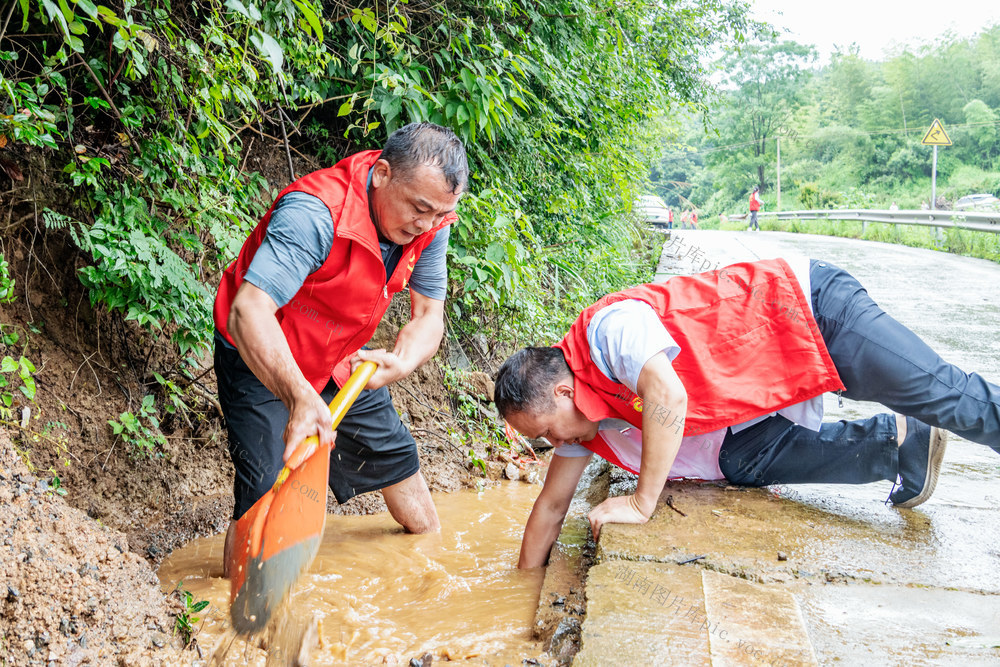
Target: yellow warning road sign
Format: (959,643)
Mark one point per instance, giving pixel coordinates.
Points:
(936,136)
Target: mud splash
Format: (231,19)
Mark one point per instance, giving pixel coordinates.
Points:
(379,596)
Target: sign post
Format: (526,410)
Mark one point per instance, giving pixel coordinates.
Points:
(779,174)
(935,136)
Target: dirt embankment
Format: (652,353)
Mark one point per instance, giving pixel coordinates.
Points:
(72,592)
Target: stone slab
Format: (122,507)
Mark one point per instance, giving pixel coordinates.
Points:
(890,625)
(754,624)
(644,614)
(743,531)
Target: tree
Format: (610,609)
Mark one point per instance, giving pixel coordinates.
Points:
(762,89)
(979,144)
(846,85)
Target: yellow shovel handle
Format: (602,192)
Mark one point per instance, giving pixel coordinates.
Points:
(339,406)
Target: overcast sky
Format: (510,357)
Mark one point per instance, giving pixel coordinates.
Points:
(876,25)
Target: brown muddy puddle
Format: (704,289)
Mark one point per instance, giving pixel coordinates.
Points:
(384,597)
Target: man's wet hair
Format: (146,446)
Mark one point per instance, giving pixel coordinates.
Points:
(426,143)
(525,380)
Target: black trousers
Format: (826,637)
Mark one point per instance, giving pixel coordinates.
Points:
(878,360)
(374,449)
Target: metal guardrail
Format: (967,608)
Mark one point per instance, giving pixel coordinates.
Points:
(972,220)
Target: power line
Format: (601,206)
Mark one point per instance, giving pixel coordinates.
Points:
(794,137)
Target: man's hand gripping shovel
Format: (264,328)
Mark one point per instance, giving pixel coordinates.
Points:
(278,537)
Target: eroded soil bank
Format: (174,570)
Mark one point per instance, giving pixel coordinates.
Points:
(72,591)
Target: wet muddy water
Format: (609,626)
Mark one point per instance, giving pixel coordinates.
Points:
(383,597)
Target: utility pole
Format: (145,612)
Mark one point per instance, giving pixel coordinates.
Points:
(779,174)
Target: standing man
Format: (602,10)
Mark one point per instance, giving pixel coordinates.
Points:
(670,218)
(309,288)
(754,207)
(720,375)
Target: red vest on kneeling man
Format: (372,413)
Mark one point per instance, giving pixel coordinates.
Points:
(749,346)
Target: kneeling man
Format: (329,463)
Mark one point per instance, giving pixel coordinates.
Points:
(720,375)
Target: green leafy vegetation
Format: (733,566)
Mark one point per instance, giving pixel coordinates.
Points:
(151,108)
(849,133)
(17,383)
(141,431)
(55,484)
(6,282)
(15,375)
(185,620)
(478,425)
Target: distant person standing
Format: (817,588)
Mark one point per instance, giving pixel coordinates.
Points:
(754,207)
(684,220)
(694,219)
(670,218)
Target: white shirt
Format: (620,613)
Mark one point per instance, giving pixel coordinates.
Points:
(622,338)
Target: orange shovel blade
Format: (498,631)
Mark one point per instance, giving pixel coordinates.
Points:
(278,537)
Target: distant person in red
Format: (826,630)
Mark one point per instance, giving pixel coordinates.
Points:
(754,207)
(670,218)
(694,219)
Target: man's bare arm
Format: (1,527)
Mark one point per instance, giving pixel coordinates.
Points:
(550,509)
(262,345)
(662,431)
(417,342)
(664,405)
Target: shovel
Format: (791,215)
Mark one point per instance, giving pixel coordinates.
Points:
(278,537)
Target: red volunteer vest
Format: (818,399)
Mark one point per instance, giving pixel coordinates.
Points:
(754,202)
(749,346)
(340,305)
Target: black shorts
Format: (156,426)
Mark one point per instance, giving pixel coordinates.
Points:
(374,449)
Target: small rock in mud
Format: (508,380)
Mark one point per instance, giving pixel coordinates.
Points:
(532,477)
(482,385)
(426,660)
(494,470)
(782,555)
